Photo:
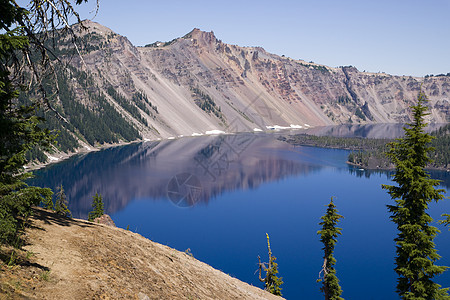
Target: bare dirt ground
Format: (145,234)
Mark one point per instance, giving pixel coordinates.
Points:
(75,259)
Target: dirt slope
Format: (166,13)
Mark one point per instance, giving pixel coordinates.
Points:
(76,259)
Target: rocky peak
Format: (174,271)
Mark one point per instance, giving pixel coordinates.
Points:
(202,37)
(94,27)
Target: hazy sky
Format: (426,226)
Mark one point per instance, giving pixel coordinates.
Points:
(401,37)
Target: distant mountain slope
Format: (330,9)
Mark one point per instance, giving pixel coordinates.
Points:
(197,84)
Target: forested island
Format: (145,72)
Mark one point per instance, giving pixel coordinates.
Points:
(369,153)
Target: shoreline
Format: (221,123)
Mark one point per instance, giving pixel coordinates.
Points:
(392,169)
(62,156)
(85,149)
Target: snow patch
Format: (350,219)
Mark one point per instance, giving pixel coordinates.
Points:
(296,126)
(197,134)
(215,131)
(257,129)
(278,127)
(52,158)
(171,138)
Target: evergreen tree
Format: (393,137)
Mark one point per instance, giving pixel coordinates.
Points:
(97,205)
(416,253)
(19,132)
(328,236)
(61,203)
(24,60)
(272,282)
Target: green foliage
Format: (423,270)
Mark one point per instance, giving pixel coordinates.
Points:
(441,144)
(349,143)
(15,207)
(61,203)
(206,103)
(45,275)
(438,75)
(416,253)
(162,44)
(446,221)
(97,205)
(19,132)
(366,111)
(103,124)
(328,236)
(344,99)
(126,104)
(139,99)
(375,155)
(272,283)
(98,122)
(371,153)
(313,66)
(360,114)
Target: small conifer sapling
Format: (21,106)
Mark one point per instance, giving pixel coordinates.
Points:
(61,203)
(97,205)
(272,282)
(328,236)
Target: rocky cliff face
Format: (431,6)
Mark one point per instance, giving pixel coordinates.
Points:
(198,85)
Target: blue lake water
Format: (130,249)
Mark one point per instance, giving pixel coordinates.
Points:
(219,195)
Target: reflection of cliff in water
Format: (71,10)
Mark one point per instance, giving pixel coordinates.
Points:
(143,171)
(367,130)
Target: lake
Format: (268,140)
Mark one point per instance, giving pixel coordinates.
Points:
(219,195)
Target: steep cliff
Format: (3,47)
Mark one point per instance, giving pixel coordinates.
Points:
(197,85)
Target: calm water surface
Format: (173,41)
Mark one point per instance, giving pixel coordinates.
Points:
(218,196)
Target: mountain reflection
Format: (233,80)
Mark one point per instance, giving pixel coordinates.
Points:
(390,131)
(187,171)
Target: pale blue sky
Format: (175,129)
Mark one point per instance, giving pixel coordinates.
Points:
(400,37)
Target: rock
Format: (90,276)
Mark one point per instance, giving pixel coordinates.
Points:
(105,220)
(143,296)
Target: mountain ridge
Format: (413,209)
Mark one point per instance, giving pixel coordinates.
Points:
(197,84)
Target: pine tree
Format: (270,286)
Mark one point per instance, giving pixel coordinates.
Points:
(19,133)
(272,282)
(97,205)
(25,61)
(61,203)
(416,253)
(328,236)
